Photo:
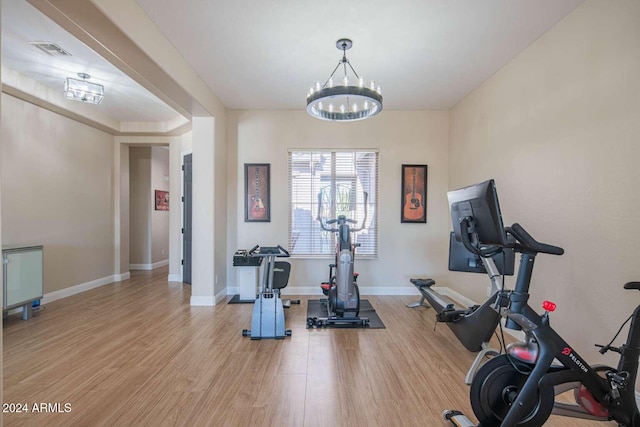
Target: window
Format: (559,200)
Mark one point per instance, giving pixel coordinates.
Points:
(341,178)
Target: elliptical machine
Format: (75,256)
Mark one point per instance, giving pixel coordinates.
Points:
(343,302)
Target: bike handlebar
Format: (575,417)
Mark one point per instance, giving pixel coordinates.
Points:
(529,243)
(286,252)
(278,251)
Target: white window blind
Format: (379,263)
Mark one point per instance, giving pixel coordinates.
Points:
(341,178)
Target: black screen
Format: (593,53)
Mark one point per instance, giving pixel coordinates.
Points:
(480,202)
(460,259)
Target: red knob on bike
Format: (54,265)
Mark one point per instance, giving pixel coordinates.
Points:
(549,306)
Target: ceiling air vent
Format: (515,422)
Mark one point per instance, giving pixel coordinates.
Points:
(50,48)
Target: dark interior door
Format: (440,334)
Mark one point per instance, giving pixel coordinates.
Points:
(186,221)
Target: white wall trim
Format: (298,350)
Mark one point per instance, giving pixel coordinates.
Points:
(174,278)
(73,290)
(121,277)
(202,301)
(149,266)
(456,296)
(220,296)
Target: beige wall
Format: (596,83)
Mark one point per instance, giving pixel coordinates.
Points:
(56,191)
(149,229)
(159,219)
(558,129)
(122,200)
(140,205)
(406,250)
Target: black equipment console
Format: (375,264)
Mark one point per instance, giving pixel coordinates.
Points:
(242,259)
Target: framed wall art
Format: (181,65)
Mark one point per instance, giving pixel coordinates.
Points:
(257,195)
(162,200)
(413,206)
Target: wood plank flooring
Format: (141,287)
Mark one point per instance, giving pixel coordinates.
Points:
(135,353)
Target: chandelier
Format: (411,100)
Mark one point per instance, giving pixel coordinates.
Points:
(82,90)
(348,100)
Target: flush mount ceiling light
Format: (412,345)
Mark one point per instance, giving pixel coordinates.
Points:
(344,102)
(82,90)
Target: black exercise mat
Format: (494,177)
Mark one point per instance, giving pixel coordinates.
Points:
(236,300)
(317,309)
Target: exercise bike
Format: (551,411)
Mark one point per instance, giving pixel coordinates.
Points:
(519,387)
(267,320)
(343,295)
(473,326)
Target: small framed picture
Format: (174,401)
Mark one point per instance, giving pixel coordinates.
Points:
(162,200)
(413,207)
(257,206)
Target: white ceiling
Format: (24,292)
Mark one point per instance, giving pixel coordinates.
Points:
(426,54)
(124,100)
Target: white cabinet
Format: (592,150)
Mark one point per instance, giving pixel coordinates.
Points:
(248,283)
(22,276)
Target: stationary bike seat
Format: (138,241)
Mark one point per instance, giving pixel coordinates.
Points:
(423,282)
(632,285)
(325,286)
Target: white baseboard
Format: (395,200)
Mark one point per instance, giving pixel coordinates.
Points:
(220,296)
(456,296)
(122,277)
(149,266)
(174,278)
(202,301)
(67,292)
(233,290)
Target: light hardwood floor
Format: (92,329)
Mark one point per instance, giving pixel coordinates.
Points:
(135,353)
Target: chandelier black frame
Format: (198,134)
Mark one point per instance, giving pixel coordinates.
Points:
(344,102)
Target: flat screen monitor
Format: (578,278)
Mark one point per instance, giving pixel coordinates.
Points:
(480,202)
(460,259)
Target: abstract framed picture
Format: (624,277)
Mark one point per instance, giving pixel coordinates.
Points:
(413,207)
(162,200)
(257,195)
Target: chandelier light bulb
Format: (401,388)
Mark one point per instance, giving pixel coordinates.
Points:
(347,101)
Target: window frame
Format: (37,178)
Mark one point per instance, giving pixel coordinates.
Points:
(356,181)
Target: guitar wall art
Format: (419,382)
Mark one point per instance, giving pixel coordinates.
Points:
(257,206)
(413,206)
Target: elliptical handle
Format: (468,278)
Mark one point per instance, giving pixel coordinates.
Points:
(319,219)
(253,249)
(364,219)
